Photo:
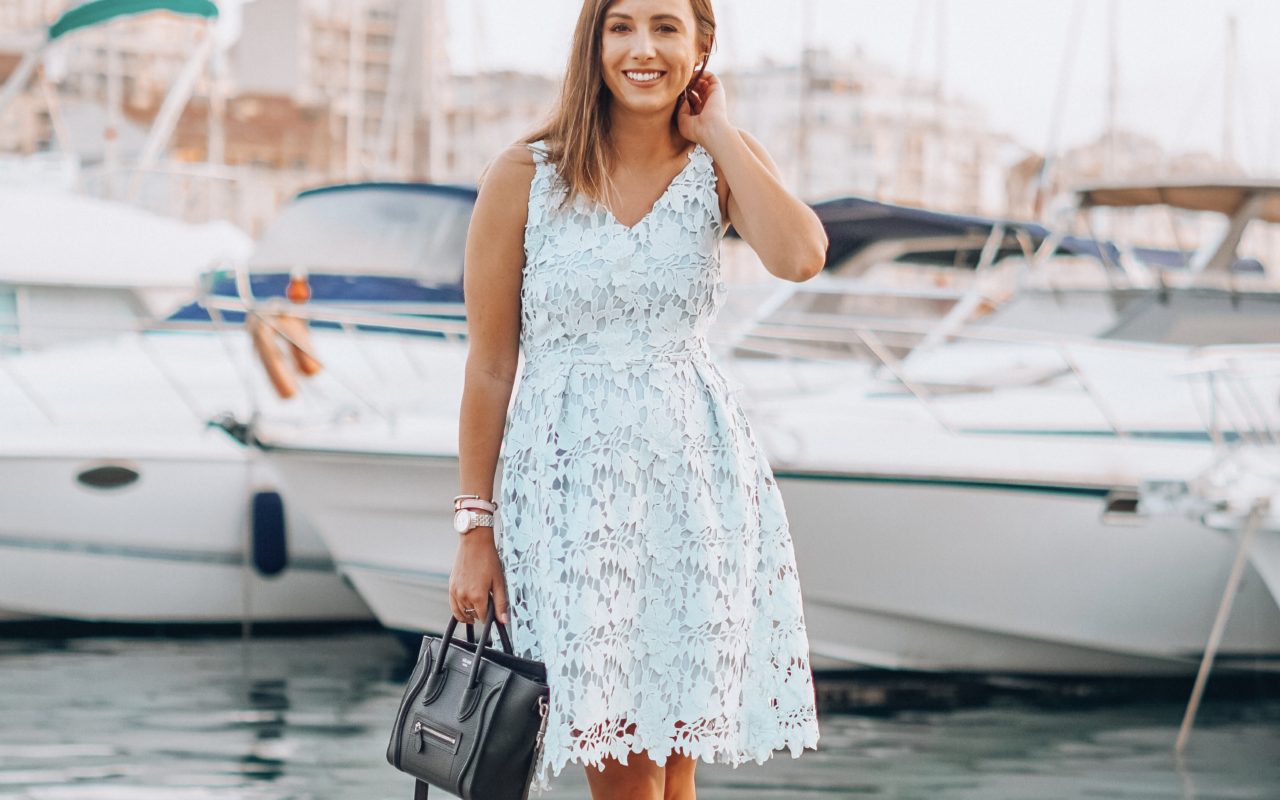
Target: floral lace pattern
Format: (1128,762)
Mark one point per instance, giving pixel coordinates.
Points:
(641,531)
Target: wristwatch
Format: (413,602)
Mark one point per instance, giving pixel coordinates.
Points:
(465,519)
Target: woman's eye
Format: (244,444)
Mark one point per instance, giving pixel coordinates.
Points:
(621,27)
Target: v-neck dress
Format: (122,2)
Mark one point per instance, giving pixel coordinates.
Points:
(641,532)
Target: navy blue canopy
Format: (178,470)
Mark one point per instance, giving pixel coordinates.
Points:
(855,223)
(361,243)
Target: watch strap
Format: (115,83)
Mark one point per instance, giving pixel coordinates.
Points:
(479,521)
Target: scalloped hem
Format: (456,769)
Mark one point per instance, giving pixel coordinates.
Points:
(803,739)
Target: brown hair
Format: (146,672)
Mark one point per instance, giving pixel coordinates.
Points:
(577,133)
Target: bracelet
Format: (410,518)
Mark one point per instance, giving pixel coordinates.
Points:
(473,501)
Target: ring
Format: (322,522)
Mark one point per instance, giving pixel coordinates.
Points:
(469,611)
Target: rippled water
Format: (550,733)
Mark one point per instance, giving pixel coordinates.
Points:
(309,717)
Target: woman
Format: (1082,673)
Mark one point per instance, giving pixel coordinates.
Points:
(643,541)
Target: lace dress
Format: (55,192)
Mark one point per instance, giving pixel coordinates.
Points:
(642,535)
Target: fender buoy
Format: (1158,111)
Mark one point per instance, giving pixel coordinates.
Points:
(270,543)
(295,335)
(298,335)
(264,343)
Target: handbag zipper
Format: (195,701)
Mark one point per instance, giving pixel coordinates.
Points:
(423,731)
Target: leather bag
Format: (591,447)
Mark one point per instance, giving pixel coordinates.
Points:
(472,718)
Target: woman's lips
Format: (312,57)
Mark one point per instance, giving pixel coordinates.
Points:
(651,82)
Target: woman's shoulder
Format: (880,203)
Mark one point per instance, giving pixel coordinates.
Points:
(510,173)
(516,160)
(504,189)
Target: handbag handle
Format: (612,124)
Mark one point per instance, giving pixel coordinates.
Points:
(502,634)
(470,695)
(447,639)
(490,617)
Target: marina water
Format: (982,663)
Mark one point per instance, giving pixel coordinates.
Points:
(307,716)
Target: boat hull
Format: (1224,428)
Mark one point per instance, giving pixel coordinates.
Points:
(947,575)
(930,575)
(168,547)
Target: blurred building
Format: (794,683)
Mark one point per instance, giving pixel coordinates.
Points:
(309,92)
(835,127)
(362,89)
(143,55)
(490,111)
(325,85)
(314,91)
(850,125)
(376,70)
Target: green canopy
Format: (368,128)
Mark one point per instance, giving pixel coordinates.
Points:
(96,11)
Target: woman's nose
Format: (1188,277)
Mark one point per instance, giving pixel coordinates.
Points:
(642,46)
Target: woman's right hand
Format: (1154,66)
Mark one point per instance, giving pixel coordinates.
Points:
(477,572)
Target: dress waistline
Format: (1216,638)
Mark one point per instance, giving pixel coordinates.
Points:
(570,356)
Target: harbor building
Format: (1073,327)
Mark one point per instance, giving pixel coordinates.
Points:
(316,91)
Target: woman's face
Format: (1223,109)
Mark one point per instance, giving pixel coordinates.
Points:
(649,51)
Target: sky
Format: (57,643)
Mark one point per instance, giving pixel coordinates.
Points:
(1006,56)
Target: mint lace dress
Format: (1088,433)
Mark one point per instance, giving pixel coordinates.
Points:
(642,535)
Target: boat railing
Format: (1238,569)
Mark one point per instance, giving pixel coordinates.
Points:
(891,348)
(1239,416)
(888,346)
(436,319)
(196,193)
(427,318)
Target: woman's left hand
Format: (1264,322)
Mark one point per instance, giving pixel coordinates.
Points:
(713,116)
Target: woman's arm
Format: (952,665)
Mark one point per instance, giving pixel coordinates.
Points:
(784,232)
(491,289)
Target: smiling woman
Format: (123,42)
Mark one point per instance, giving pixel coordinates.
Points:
(640,548)
(603,68)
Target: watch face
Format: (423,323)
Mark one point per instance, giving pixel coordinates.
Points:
(461,521)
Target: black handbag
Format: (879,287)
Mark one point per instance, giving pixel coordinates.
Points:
(473,718)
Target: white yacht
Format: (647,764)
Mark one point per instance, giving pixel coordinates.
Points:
(918,548)
(83,255)
(121,503)
(78,267)
(962,497)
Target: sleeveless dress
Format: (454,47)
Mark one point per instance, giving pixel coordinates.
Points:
(641,532)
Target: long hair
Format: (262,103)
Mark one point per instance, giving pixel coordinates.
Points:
(577,133)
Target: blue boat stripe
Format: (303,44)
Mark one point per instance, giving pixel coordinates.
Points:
(993,485)
(1011,485)
(1145,435)
(223,558)
(415,573)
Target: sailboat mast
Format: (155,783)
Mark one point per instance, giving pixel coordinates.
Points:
(1044,182)
(115,101)
(1228,93)
(1113,89)
(217,130)
(393,99)
(940,57)
(802,128)
(437,68)
(356,39)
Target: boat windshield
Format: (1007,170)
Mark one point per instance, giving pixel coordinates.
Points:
(416,232)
